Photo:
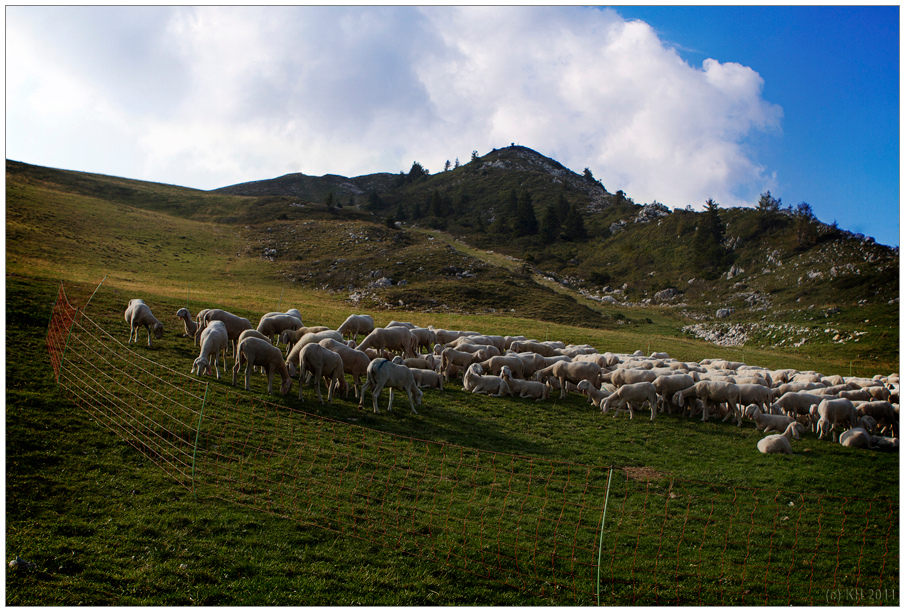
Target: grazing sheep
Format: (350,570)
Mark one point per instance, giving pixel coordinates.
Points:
(713,393)
(214,340)
(190,326)
(780,443)
(355,362)
(475,382)
(494,365)
(320,362)
(525,388)
(396,338)
(425,338)
(290,336)
(595,396)
(882,412)
(531,346)
(795,403)
(260,352)
(630,396)
(310,338)
(836,410)
(452,358)
(356,324)
(274,325)
(235,325)
(628,376)
(767,422)
(384,373)
(757,394)
(571,371)
(427,362)
(139,315)
(667,386)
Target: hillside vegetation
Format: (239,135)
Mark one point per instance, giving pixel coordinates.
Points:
(836,300)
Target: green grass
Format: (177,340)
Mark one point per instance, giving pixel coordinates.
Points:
(104,524)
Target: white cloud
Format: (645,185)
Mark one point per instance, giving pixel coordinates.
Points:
(212,96)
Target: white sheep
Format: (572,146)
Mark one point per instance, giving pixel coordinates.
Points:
(632,396)
(235,324)
(319,362)
(767,422)
(796,403)
(356,324)
(780,443)
(713,393)
(451,358)
(189,324)
(139,315)
(427,378)
(355,362)
(309,338)
(383,373)
(668,385)
(571,371)
(758,394)
(272,325)
(397,338)
(475,382)
(516,366)
(856,437)
(524,388)
(595,396)
(214,340)
(291,336)
(835,410)
(260,352)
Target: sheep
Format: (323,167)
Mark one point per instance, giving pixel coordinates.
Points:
(628,376)
(139,315)
(427,362)
(754,394)
(393,339)
(667,386)
(384,373)
(495,365)
(290,336)
(260,352)
(712,392)
(885,443)
(856,437)
(214,339)
(452,358)
(425,338)
(445,336)
(796,403)
(274,325)
(767,422)
(320,362)
(531,346)
(836,410)
(356,324)
(235,325)
(571,371)
(190,326)
(475,382)
(355,362)
(427,378)
(627,397)
(595,396)
(524,388)
(310,338)
(882,412)
(780,443)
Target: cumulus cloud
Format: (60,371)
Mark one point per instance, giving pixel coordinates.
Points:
(211,96)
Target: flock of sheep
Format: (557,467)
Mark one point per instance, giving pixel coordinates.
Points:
(407,358)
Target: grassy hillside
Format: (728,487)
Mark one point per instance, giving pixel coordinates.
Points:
(103,525)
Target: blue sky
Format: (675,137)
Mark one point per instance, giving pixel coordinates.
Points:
(673,104)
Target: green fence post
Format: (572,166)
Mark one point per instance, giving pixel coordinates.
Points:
(197,435)
(602,521)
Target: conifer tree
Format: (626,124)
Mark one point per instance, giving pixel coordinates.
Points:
(525,220)
(549,224)
(573,227)
(710,254)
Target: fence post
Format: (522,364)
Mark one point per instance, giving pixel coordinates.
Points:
(85,307)
(197,434)
(66,346)
(602,521)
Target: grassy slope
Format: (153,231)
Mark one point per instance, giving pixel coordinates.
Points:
(123,537)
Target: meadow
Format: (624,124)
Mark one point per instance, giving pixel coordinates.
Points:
(103,524)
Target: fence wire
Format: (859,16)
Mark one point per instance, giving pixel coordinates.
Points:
(525,522)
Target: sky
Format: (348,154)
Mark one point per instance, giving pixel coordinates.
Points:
(674,104)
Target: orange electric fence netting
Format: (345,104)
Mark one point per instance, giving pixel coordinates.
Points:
(573,533)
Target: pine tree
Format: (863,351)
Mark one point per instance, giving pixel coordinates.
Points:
(573,227)
(710,254)
(767,210)
(549,225)
(805,225)
(525,219)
